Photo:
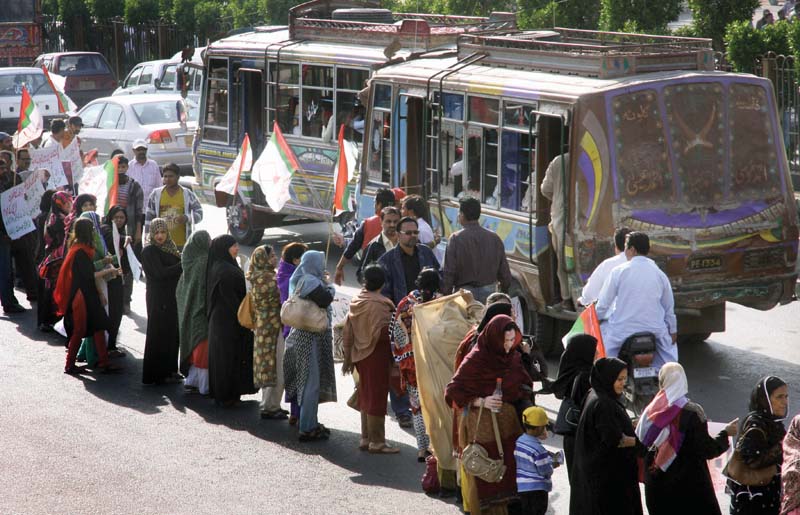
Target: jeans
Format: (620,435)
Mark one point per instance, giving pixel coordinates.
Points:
(481,293)
(6,276)
(310,402)
(400,404)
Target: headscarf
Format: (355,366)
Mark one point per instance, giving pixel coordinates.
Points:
(790,471)
(499,308)
(99,242)
(309,274)
(76,209)
(659,424)
(219,256)
(159,224)
(486,362)
(259,264)
(468,343)
(759,398)
(604,374)
(191,295)
(578,358)
(59,202)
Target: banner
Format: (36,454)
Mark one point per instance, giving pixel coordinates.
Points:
(20,205)
(72,155)
(49,158)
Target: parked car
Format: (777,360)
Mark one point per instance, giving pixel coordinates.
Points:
(11,82)
(167,122)
(142,78)
(161,77)
(88,74)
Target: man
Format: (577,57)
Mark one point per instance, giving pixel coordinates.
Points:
(23,163)
(384,242)
(638,297)
(74,126)
(766,19)
(9,301)
(553,190)
(131,198)
(56,133)
(174,203)
(404,262)
(416,207)
(6,142)
(143,170)
(591,290)
(368,229)
(475,259)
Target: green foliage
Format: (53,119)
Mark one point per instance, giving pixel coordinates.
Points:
(165,10)
(69,10)
(106,9)
(278,10)
(247,13)
(141,11)
(687,31)
(712,17)
(777,38)
(645,15)
(207,17)
(50,7)
(183,15)
(744,45)
(577,14)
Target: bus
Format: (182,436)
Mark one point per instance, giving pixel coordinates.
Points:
(306,77)
(654,140)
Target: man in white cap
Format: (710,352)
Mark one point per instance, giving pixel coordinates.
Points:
(144,171)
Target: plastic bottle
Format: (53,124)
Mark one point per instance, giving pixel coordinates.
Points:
(498,391)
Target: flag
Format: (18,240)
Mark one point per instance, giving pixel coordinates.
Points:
(112,184)
(587,323)
(244,162)
(274,170)
(58,83)
(102,182)
(345,170)
(31,123)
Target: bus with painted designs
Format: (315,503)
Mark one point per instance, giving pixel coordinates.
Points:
(654,140)
(306,77)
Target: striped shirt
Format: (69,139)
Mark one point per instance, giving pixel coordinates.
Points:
(148,175)
(534,465)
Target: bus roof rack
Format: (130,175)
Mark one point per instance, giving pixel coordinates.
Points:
(589,53)
(364,22)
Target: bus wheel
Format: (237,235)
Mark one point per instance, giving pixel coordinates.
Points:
(239,226)
(548,335)
(693,339)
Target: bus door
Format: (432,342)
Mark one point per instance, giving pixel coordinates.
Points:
(408,142)
(251,107)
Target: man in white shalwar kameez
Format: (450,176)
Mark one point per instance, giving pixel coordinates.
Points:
(637,297)
(591,290)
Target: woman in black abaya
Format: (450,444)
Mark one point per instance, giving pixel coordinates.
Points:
(230,346)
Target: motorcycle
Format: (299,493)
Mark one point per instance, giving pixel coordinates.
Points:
(639,351)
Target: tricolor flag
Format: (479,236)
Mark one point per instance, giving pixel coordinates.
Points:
(587,323)
(30,124)
(229,183)
(57,83)
(102,182)
(112,184)
(274,170)
(345,170)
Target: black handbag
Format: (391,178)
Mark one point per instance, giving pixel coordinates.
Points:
(569,414)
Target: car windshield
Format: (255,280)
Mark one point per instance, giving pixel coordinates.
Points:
(11,84)
(82,64)
(164,111)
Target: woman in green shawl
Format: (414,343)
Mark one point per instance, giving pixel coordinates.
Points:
(192,319)
(268,345)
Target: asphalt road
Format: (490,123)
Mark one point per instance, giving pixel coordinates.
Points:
(109,445)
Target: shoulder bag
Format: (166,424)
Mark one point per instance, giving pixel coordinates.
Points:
(304,314)
(245,313)
(476,460)
(738,471)
(569,414)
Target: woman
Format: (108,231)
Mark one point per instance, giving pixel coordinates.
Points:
(366,348)
(604,479)
(83,203)
(230,346)
(54,236)
(161,263)
(192,318)
(403,350)
(290,259)
(78,300)
(760,446)
(473,386)
(308,362)
(268,344)
(492,310)
(790,471)
(675,431)
(116,240)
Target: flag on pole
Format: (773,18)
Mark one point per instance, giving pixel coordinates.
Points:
(31,123)
(587,323)
(274,170)
(58,83)
(243,163)
(102,182)
(345,170)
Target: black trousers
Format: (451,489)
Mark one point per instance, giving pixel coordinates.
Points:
(533,503)
(22,250)
(115,301)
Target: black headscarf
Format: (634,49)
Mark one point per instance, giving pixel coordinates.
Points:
(604,374)
(577,358)
(499,308)
(759,398)
(219,262)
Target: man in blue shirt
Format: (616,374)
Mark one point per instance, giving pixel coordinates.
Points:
(404,262)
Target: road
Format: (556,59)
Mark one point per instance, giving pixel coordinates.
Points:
(109,445)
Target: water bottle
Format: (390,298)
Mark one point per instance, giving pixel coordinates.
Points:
(498,391)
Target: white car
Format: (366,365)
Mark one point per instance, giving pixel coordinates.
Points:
(160,77)
(11,82)
(166,121)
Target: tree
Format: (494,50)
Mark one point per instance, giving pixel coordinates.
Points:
(75,14)
(207,17)
(247,13)
(106,9)
(576,14)
(646,15)
(165,10)
(712,17)
(50,7)
(278,10)
(183,15)
(141,11)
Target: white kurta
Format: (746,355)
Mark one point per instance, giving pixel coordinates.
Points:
(591,290)
(637,297)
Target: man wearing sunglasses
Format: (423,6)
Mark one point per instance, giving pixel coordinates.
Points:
(404,262)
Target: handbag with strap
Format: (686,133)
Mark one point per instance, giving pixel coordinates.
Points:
(569,414)
(245,313)
(476,460)
(304,314)
(737,470)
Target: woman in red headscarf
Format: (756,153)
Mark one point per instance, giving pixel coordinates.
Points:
(473,385)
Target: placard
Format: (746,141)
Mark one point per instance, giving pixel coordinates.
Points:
(20,205)
(49,158)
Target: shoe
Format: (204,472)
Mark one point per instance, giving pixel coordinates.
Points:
(383,448)
(190,389)
(14,309)
(274,415)
(319,433)
(422,456)
(363,444)
(46,328)
(405,421)
(74,370)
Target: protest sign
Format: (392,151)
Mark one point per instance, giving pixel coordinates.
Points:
(72,155)
(20,204)
(49,159)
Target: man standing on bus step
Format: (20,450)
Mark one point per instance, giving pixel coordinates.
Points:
(553,189)
(369,229)
(591,290)
(382,243)
(475,258)
(637,297)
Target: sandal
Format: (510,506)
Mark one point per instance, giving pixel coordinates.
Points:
(314,435)
(363,445)
(383,448)
(422,456)
(274,415)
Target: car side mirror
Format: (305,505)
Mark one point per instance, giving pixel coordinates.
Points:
(157,83)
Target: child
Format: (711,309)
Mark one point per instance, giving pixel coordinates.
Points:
(534,463)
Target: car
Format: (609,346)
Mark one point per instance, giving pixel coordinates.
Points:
(166,121)
(88,75)
(160,76)
(142,78)
(11,82)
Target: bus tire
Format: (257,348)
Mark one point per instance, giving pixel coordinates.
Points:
(548,335)
(239,226)
(693,339)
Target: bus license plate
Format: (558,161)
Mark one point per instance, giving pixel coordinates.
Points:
(705,263)
(639,373)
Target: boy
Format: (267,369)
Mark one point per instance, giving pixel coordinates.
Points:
(534,463)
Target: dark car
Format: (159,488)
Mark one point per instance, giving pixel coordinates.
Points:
(88,75)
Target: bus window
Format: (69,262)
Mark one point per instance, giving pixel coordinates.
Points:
(215,127)
(380,147)
(517,158)
(284,97)
(484,110)
(317,106)
(348,111)
(383,96)
(482,165)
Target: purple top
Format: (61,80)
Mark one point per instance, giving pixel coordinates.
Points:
(285,271)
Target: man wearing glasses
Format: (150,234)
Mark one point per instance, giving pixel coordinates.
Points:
(404,262)
(23,163)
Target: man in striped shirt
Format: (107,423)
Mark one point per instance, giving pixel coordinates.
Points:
(534,463)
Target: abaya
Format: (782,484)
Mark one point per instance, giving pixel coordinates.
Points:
(604,478)
(230,346)
(790,471)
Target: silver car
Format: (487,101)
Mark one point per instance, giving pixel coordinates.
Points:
(166,122)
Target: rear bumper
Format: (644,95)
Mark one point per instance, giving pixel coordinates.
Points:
(755,293)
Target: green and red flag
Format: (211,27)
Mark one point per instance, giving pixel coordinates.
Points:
(31,123)
(587,323)
(274,170)
(102,182)
(111,168)
(345,171)
(57,83)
